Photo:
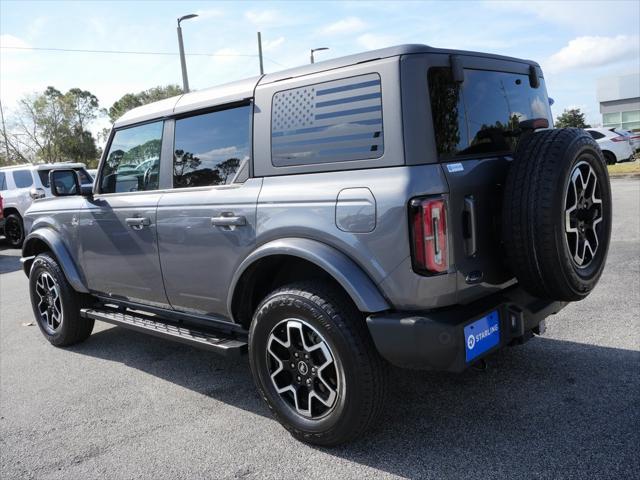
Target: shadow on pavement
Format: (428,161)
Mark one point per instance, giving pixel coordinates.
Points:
(547,409)
(10,259)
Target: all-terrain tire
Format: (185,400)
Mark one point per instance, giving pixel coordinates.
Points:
(363,374)
(537,215)
(46,278)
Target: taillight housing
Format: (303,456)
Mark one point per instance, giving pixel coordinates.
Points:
(620,138)
(429,237)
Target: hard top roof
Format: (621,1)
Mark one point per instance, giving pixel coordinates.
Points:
(243,89)
(43,166)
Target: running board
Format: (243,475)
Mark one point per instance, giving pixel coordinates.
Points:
(216,342)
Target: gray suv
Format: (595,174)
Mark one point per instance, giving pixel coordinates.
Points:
(406,206)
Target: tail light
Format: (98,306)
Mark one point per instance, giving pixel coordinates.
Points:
(429,237)
(619,138)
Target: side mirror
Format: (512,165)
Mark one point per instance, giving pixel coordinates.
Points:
(64,183)
(36,193)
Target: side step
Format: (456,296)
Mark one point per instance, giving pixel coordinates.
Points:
(213,341)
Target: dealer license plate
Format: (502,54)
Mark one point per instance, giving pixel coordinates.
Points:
(482,335)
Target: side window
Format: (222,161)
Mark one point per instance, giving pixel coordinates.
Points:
(3,182)
(595,135)
(327,122)
(133,162)
(211,148)
(22,178)
(44,177)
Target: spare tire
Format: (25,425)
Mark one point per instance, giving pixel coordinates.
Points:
(556,221)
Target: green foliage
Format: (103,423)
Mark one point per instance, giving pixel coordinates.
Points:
(53,127)
(572,117)
(133,100)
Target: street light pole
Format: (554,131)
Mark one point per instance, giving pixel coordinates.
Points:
(183,63)
(317,50)
(260,53)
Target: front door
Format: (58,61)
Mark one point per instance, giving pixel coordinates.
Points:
(118,228)
(206,224)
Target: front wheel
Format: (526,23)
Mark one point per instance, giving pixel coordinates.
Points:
(56,305)
(315,364)
(14,230)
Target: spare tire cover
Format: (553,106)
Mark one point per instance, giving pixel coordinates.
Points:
(556,221)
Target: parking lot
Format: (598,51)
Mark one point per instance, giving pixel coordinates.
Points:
(123,405)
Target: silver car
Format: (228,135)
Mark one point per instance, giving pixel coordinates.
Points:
(20,185)
(410,205)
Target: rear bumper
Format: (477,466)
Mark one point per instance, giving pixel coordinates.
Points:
(436,340)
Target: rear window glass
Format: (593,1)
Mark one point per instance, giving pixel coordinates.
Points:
(82,174)
(22,178)
(327,122)
(595,135)
(481,115)
(3,182)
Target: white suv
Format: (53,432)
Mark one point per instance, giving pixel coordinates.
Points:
(20,185)
(615,144)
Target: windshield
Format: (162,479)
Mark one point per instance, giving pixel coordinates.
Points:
(480,116)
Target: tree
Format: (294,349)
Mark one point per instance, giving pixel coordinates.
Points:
(133,100)
(53,127)
(571,117)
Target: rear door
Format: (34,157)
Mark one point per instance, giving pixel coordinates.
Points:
(207,222)
(476,129)
(118,227)
(20,197)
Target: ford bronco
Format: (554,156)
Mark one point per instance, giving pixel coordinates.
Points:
(409,206)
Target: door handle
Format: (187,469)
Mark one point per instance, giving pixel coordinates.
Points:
(228,219)
(470,227)
(138,223)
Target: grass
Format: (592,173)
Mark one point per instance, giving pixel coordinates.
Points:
(626,168)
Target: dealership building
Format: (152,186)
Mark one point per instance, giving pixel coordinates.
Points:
(619,99)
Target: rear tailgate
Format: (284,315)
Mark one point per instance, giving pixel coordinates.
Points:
(475,205)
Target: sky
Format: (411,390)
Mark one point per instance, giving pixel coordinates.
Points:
(576,42)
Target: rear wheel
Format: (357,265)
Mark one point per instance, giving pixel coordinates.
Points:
(315,364)
(14,230)
(609,158)
(56,305)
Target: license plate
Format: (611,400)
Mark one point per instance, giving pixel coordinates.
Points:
(482,335)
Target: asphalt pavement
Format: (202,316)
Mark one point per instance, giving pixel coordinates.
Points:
(123,405)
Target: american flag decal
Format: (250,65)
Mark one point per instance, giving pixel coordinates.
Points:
(328,122)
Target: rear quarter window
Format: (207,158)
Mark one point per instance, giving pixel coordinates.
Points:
(334,121)
(3,182)
(22,178)
(480,116)
(595,135)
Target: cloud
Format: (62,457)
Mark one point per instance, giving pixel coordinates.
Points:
(204,14)
(610,16)
(218,152)
(263,17)
(10,41)
(592,51)
(270,45)
(371,41)
(344,26)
